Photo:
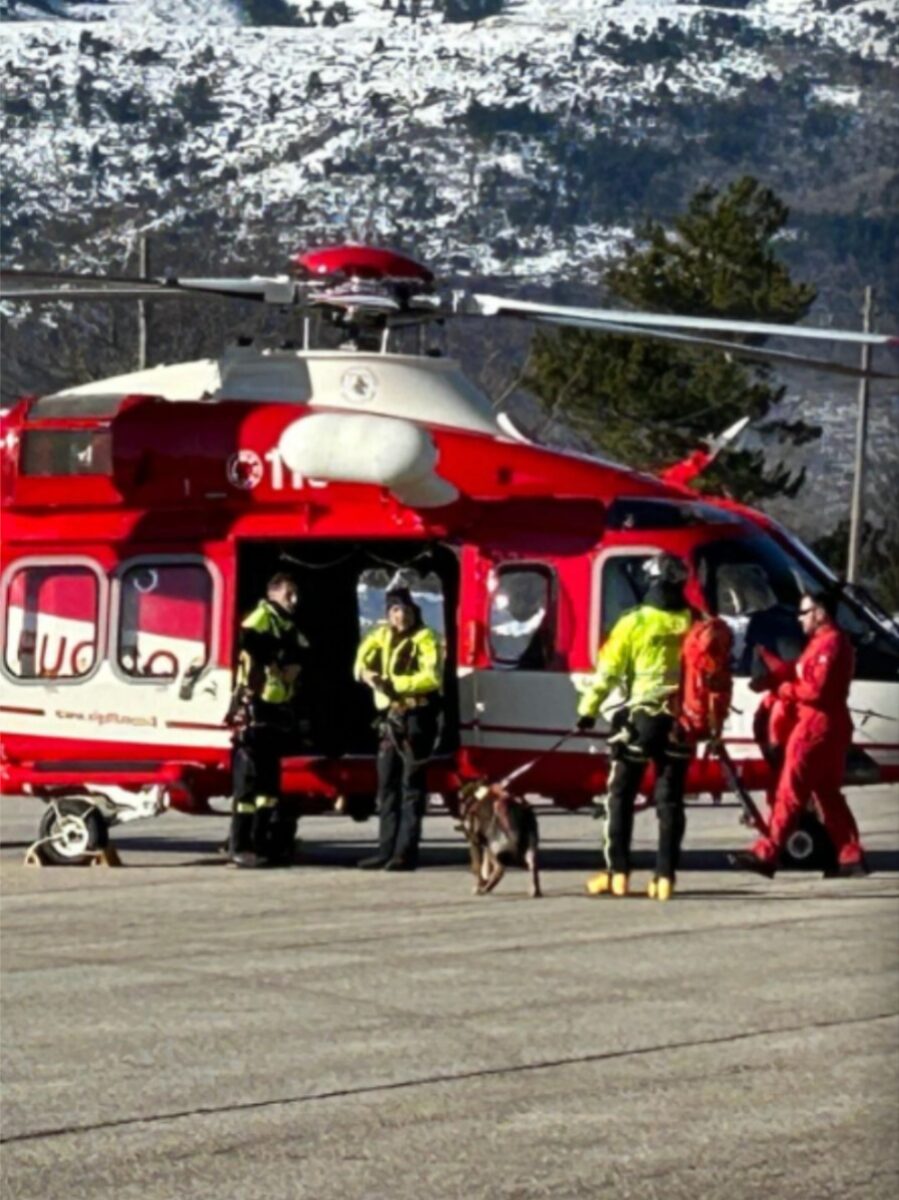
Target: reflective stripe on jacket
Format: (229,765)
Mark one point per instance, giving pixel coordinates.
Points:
(642,658)
(269,642)
(410,661)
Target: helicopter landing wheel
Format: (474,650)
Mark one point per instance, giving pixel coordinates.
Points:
(808,847)
(71,832)
(360,807)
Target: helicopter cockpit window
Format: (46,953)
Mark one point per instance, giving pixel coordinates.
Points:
(427,592)
(755,585)
(624,584)
(165,618)
(521,628)
(641,512)
(51,622)
(749,582)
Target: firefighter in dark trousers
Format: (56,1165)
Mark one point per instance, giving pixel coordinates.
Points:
(642,658)
(401,661)
(271,651)
(811,695)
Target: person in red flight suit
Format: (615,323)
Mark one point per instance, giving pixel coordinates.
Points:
(774,719)
(810,703)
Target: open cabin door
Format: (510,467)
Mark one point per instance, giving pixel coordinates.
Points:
(342,586)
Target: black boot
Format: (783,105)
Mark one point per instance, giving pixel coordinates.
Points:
(240,837)
(248,861)
(399,864)
(282,837)
(373,863)
(745,860)
(262,831)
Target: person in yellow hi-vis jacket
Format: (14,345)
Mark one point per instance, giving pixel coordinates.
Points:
(401,661)
(641,658)
(263,718)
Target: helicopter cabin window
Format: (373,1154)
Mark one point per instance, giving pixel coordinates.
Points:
(67,452)
(51,622)
(427,593)
(752,585)
(642,512)
(624,584)
(755,585)
(165,619)
(521,625)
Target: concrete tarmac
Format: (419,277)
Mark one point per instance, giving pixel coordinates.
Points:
(177,1029)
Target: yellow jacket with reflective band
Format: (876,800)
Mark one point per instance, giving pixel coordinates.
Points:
(642,658)
(266,620)
(410,661)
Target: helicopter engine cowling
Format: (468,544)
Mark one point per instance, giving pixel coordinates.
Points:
(384,451)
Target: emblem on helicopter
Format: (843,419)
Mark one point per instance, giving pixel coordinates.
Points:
(359,385)
(244,469)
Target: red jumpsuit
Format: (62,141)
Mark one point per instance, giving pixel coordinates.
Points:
(816,747)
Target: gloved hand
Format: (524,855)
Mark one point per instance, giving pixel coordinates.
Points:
(585,723)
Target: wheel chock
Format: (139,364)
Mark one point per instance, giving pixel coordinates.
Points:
(107,857)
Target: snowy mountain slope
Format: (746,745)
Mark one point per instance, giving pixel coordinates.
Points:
(539,132)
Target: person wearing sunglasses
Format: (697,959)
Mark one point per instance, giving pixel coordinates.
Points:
(816,689)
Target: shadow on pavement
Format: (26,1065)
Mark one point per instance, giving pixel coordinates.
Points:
(449,852)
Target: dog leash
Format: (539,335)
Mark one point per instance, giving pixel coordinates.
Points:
(523,770)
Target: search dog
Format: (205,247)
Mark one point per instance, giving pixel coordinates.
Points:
(501,830)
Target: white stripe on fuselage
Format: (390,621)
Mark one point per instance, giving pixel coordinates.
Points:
(507,710)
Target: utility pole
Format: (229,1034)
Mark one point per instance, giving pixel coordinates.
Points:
(143,266)
(856,515)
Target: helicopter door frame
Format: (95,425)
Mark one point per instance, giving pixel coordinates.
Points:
(512,708)
(549,622)
(633,550)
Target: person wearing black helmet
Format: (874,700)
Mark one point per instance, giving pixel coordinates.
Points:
(401,661)
(641,658)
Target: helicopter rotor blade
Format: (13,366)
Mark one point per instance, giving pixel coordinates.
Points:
(737,349)
(11,274)
(274,289)
(68,295)
(601,318)
(17,285)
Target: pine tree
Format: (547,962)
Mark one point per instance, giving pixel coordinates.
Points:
(650,403)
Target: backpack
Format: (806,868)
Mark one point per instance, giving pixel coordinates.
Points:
(706,678)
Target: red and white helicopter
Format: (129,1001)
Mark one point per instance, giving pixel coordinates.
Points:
(143,514)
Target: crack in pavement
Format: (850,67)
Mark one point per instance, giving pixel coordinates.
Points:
(431,1080)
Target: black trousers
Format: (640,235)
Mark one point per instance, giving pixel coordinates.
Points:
(649,739)
(261,820)
(403,754)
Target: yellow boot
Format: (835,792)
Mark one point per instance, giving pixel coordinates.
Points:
(599,885)
(660,888)
(620,884)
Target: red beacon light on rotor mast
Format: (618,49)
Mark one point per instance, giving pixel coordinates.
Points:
(333,263)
